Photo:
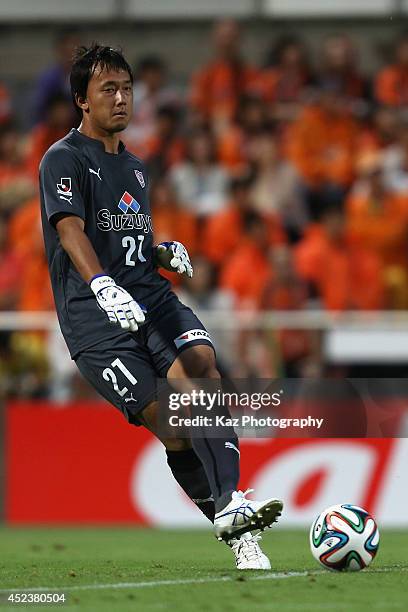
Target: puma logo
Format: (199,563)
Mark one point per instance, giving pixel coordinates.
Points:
(130,399)
(231,445)
(95,172)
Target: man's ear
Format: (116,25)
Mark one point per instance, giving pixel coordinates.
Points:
(82,103)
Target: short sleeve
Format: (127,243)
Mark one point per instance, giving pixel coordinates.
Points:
(60,183)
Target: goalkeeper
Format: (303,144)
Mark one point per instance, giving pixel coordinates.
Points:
(123,325)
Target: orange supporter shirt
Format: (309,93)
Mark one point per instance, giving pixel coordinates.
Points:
(246,273)
(172,223)
(42,137)
(217,87)
(224,231)
(381,227)
(12,172)
(294,343)
(11,270)
(24,228)
(25,235)
(276,86)
(321,146)
(232,152)
(391,86)
(368,141)
(347,276)
(36,293)
(5,104)
(173,151)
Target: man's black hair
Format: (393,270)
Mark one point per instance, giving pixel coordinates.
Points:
(86,60)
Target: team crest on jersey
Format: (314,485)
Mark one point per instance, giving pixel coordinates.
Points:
(140,178)
(64,189)
(128,203)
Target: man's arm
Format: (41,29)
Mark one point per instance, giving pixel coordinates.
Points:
(76,243)
(116,302)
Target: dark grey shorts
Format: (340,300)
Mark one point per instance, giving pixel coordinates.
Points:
(127,369)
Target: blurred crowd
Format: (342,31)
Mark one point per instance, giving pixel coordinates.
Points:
(287,181)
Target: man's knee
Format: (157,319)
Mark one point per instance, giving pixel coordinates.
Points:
(199,362)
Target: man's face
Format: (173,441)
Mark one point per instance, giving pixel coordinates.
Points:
(109,100)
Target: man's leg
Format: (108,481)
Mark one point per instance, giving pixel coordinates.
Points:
(234,514)
(190,474)
(121,371)
(218,455)
(185,465)
(111,368)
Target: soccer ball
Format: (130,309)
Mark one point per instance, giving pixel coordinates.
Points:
(344,537)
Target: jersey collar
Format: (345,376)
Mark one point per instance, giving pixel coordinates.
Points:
(97,144)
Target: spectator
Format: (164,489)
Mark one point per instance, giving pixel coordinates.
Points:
(378,220)
(217,88)
(247,269)
(233,143)
(224,231)
(276,184)
(340,65)
(283,81)
(12,154)
(54,81)
(345,274)
(5,104)
(56,124)
(199,182)
(25,234)
(16,185)
(245,274)
(166,147)
(395,163)
(201,291)
(377,216)
(150,92)
(202,295)
(11,269)
(285,290)
(321,145)
(172,222)
(379,132)
(391,85)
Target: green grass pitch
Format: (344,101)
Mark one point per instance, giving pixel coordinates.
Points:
(132,569)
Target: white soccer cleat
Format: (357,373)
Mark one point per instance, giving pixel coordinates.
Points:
(248,553)
(242,515)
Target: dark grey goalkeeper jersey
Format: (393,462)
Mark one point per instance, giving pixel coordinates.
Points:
(109,192)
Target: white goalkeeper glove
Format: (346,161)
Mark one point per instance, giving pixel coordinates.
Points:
(173,256)
(117,303)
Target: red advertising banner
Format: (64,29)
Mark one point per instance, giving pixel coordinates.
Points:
(82,463)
